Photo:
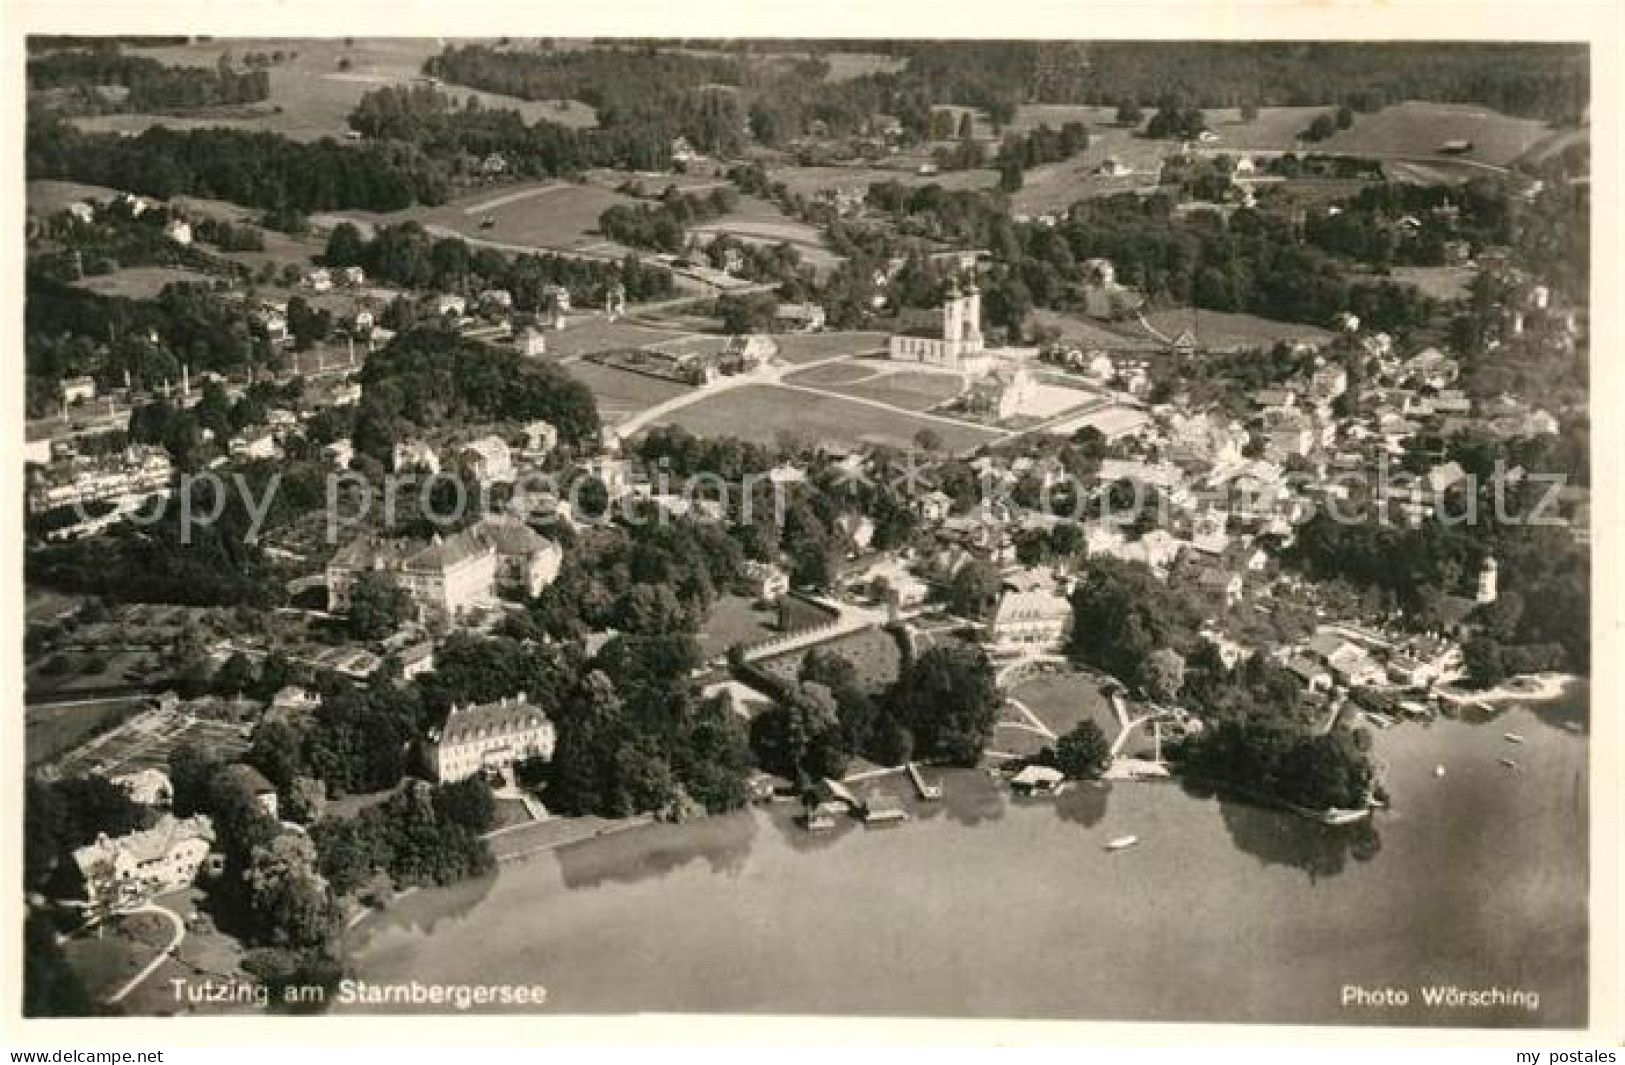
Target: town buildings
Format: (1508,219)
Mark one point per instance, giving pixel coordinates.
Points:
(449,577)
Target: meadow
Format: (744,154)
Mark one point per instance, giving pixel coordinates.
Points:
(762,412)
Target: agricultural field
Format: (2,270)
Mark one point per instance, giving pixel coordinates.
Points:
(312,95)
(909,389)
(540,215)
(813,347)
(762,412)
(1418,129)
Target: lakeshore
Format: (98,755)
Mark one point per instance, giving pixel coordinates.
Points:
(1477,878)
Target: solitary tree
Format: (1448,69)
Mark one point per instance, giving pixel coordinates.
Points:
(1084,753)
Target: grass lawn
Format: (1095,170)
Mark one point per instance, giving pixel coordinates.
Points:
(1062,700)
(622,393)
(106,957)
(761,412)
(873,652)
(585,335)
(909,389)
(836,373)
(547,214)
(1088,332)
(737,619)
(140,282)
(1439,282)
(1014,739)
(1418,128)
(1217,329)
(311,97)
(813,347)
(510,812)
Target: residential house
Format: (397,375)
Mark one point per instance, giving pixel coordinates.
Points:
(129,869)
(526,561)
(798,318)
(78,390)
(179,230)
(488,460)
(489,737)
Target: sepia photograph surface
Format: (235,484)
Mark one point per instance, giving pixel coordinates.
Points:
(1041,529)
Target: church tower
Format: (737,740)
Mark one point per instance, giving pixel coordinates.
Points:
(953,319)
(973,317)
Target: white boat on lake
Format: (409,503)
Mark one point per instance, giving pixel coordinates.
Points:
(1122,843)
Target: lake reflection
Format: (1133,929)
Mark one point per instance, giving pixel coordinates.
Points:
(987,905)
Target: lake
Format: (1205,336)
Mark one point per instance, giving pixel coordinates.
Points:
(989,906)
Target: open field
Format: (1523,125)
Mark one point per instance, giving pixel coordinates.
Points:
(50,732)
(584,335)
(1217,329)
(311,97)
(1063,699)
(1439,282)
(810,180)
(1090,333)
(622,393)
(761,412)
(548,214)
(811,347)
(909,389)
(1416,128)
(139,282)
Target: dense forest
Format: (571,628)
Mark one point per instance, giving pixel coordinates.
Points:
(254,169)
(149,84)
(1536,80)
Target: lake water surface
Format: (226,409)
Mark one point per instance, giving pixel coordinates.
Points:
(988,906)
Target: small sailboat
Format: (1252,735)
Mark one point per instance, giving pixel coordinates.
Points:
(1509,763)
(1438,770)
(1512,737)
(1122,843)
